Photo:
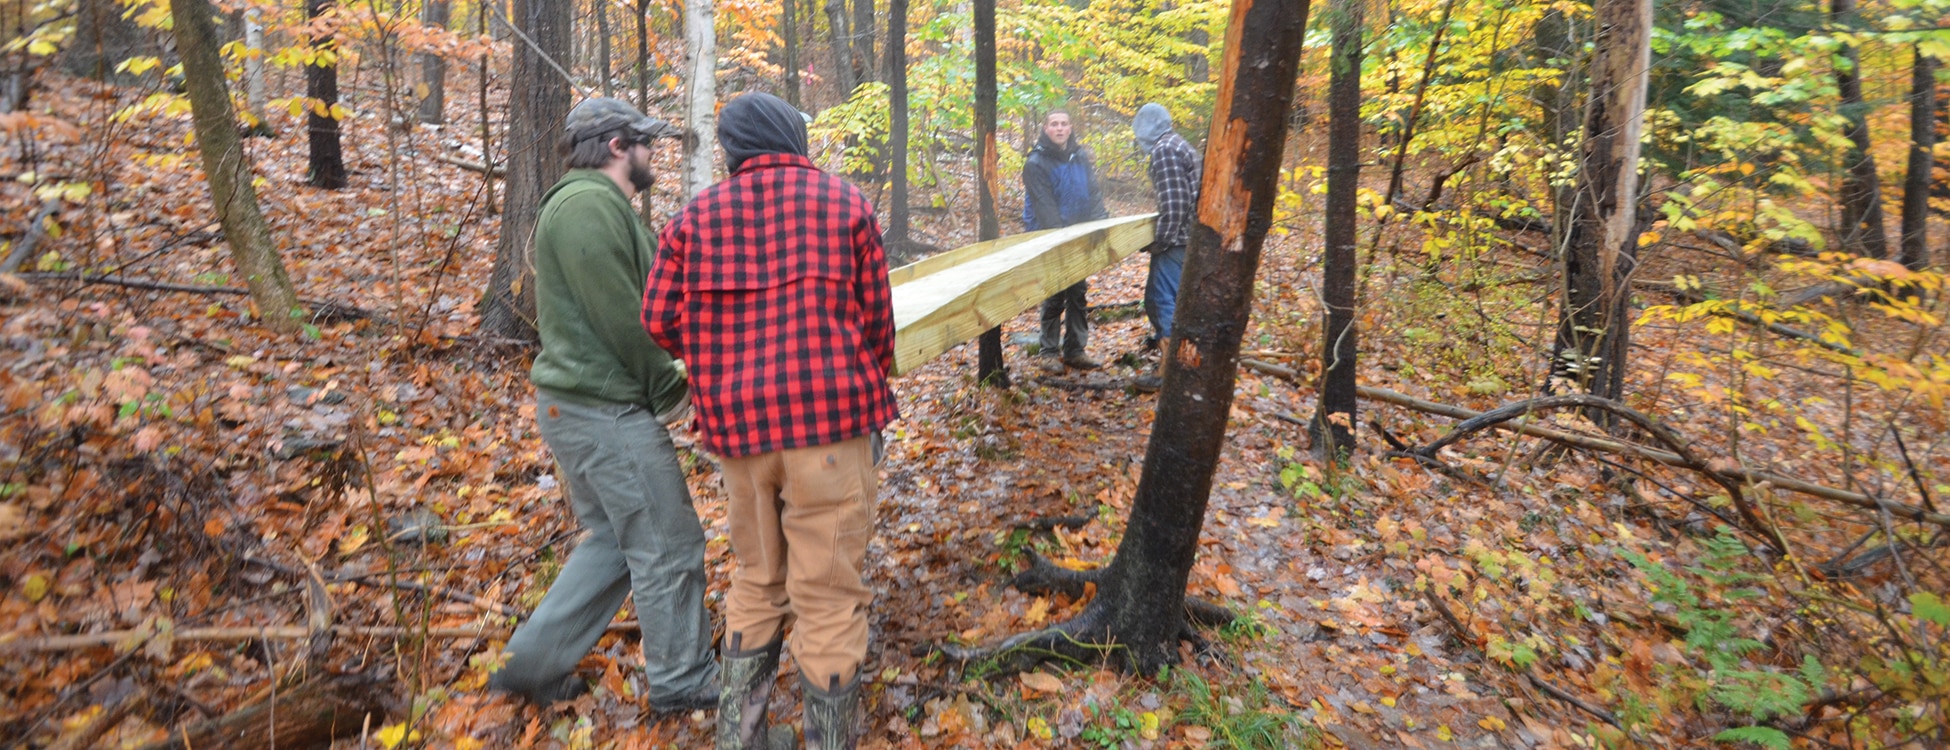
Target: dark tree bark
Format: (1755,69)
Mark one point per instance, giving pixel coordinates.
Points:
(538,101)
(227,171)
(1915,252)
(990,369)
(897,213)
(1862,230)
(103,39)
(862,41)
(433,68)
(1601,250)
(326,168)
(1333,423)
(643,55)
(487,134)
(789,34)
(603,60)
(836,26)
(1553,46)
(1140,601)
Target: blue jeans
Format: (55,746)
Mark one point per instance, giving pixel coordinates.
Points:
(1161,288)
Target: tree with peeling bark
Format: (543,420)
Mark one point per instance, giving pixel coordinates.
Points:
(1602,232)
(228,172)
(1140,606)
(990,369)
(1332,427)
(327,166)
(1862,229)
(538,101)
(1915,248)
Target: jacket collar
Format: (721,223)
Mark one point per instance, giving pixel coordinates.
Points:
(763,161)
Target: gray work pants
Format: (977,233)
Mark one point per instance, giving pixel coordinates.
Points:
(1067,313)
(627,487)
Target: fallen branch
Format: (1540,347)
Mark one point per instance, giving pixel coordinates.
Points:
(320,309)
(473,166)
(36,229)
(273,632)
(1463,634)
(1587,442)
(312,714)
(1695,297)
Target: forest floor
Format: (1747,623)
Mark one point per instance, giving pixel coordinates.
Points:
(179,479)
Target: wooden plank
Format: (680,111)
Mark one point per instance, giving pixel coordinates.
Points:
(956,299)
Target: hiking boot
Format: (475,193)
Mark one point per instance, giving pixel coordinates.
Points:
(1081,362)
(702,700)
(570,687)
(830,714)
(1049,364)
(747,694)
(1147,383)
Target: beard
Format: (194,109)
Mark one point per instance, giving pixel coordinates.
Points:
(640,175)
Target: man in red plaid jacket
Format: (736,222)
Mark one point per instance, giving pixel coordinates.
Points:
(772,287)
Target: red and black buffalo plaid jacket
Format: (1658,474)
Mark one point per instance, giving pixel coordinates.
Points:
(772,287)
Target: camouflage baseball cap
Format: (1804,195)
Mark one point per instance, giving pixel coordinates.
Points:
(600,115)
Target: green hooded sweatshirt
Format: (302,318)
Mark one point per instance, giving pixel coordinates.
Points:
(592,256)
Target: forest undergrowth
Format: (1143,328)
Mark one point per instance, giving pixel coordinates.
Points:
(198,514)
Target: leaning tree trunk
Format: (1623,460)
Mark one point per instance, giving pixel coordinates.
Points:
(1141,597)
(538,101)
(249,237)
(1861,193)
(789,34)
(1915,252)
(1333,423)
(327,165)
(700,114)
(989,367)
(433,67)
(1602,240)
(897,213)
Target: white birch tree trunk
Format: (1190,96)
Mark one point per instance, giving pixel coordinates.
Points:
(254,67)
(700,116)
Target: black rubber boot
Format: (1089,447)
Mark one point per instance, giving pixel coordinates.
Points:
(747,693)
(830,714)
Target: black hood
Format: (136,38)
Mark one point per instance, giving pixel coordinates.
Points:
(1048,146)
(758,123)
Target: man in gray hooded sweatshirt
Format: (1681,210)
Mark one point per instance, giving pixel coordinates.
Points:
(1175,170)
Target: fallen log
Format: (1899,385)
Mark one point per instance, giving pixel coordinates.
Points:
(1742,474)
(311,714)
(245,633)
(472,166)
(36,229)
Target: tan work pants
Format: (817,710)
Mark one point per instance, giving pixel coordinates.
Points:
(800,520)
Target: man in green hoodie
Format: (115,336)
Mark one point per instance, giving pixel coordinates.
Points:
(601,385)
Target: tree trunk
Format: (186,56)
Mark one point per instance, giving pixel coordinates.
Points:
(1602,245)
(700,114)
(487,139)
(897,213)
(602,48)
(1333,423)
(103,39)
(842,46)
(1915,252)
(643,55)
(862,41)
(1861,193)
(1141,600)
(433,68)
(254,72)
(789,33)
(326,168)
(538,101)
(990,369)
(244,229)
(1553,46)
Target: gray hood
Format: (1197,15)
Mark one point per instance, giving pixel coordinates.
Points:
(1152,123)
